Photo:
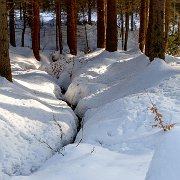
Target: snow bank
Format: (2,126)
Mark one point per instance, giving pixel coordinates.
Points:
(110,76)
(28,107)
(166,159)
(90,162)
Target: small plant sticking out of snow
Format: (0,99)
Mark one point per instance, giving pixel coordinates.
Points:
(159,121)
(158,117)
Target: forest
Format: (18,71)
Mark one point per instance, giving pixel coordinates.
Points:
(89,89)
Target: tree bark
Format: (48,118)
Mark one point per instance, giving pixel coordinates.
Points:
(122,29)
(111,31)
(101,32)
(72,26)
(179,29)
(127,27)
(36,30)
(89,11)
(5,67)
(30,13)
(24,24)
(143,25)
(11,23)
(167,22)
(58,26)
(155,42)
(132,21)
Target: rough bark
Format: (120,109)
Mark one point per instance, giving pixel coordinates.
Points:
(167,21)
(111,30)
(132,21)
(101,32)
(127,28)
(11,23)
(58,26)
(30,12)
(36,30)
(72,26)
(179,29)
(24,24)
(155,42)
(122,29)
(5,67)
(89,11)
(143,25)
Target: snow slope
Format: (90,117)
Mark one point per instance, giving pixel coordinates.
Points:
(117,139)
(28,107)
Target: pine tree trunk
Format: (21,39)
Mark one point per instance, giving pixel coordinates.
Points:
(167,22)
(12,23)
(155,42)
(111,31)
(20,10)
(89,11)
(58,21)
(5,67)
(143,25)
(30,13)
(122,29)
(72,26)
(132,21)
(36,30)
(24,24)
(101,24)
(127,28)
(179,29)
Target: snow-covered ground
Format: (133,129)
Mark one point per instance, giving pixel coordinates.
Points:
(30,109)
(113,94)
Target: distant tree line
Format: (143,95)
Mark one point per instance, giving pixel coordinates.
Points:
(158,19)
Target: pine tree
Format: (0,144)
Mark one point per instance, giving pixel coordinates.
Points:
(36,30)
(11,23)
(143,24)
(72,26)
(155,46)
(5,68)
(58,26)
(111,31)
(101,24)
(127,26)
(167,22)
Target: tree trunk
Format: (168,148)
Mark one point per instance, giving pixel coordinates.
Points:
(72,26)
(36,30)
(179,29)
(155,42)
(143,25)
(167,22)
(122,29)
(58,26)
(24,24)
(30,13)
(127,28)
(89,11)
(132,21)
(101,32)
(111,31)
(20,10)
(5,67)
(12,23)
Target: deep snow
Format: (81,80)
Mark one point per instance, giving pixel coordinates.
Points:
(111,93)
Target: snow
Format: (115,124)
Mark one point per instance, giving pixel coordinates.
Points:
(112,93)
(27,109)
(165,162)
(89,162)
